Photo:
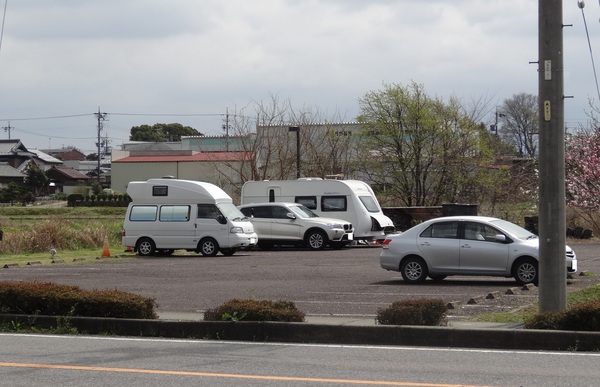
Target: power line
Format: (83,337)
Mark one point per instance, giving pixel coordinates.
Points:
(581,5)
(45,118)
(3,20)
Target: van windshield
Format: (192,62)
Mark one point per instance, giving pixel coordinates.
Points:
(369,203)
(231,212)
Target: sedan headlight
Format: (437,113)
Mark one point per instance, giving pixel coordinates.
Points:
(236,230)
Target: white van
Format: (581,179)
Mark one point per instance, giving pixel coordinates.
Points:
(170,214)
(351,200)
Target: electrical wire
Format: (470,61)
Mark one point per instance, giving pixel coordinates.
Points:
(581,5)
(3,19)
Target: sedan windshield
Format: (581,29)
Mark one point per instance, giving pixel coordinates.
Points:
(513,229)
(303,212)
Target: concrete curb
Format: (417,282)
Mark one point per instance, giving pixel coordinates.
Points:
(523,339)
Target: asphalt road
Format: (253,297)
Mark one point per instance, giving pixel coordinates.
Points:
(52,360)
(346,282)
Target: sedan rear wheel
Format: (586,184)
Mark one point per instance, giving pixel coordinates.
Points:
(413,270)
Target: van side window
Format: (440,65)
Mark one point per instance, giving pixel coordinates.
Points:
(143,214)
(174,213)
(208,211)
(333,203)
(307,201)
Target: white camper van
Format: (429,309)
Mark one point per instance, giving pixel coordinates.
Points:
(350,200)
(169,214)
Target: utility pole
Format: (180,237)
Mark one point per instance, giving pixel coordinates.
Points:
(100,117)
(552,218)
(226,129)
(7,129)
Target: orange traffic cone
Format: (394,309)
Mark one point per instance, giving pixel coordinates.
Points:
(105,249)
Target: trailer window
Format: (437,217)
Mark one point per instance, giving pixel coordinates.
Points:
(369,203)
(174,213)
(143,214)
(333,203)
(307,201)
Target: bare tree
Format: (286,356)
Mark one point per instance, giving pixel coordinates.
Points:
(520,123)
(261,131)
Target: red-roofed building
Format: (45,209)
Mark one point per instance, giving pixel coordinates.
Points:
(220,168)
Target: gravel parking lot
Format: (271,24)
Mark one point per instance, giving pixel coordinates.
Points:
(346,282)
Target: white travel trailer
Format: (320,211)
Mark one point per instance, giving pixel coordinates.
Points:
(350,200)
(170,214)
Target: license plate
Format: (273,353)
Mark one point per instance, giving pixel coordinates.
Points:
(350,236)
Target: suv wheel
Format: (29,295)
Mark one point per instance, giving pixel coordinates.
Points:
(316,239)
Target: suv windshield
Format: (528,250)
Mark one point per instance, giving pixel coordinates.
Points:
(303,212)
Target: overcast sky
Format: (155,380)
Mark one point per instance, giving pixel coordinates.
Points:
(132,58)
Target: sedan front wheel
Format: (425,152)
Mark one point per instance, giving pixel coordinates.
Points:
(526,272)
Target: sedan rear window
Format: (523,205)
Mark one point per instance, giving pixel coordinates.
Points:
(441,230)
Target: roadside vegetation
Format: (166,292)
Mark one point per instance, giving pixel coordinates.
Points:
(589,297)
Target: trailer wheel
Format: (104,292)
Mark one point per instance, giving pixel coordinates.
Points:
(146,247)
(208,247)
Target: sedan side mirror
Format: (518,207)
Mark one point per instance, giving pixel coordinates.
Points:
(291,216)
(500,238)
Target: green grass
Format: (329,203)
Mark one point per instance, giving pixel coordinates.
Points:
(81,256)
(586,294)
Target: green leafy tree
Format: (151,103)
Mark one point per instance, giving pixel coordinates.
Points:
(419,149)
(162,132)
(36,179)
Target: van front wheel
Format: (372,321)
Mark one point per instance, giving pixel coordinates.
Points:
(208,247)
(146,247)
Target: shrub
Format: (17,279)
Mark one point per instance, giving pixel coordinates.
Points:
(255,310)
(421,311)
(46,298)
(74,198)
(584,316)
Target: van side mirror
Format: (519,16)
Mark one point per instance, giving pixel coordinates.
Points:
(221,219)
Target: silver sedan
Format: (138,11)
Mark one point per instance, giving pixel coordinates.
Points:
(465,245)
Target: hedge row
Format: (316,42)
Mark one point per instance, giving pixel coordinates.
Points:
(46,298)
(421,311)
(255,310)
(584,316)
